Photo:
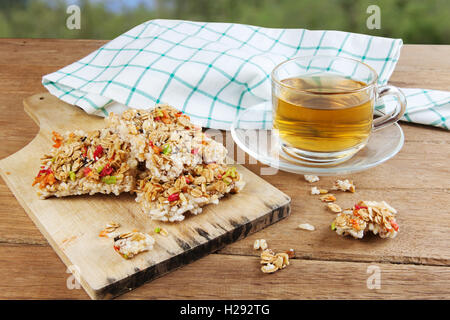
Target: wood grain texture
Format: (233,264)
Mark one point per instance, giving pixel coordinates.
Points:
(416,181)
(72,224)
(220,276)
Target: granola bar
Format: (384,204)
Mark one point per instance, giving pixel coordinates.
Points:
(166,140)
(86,163)
(377,217)
(205,184)
(179,169)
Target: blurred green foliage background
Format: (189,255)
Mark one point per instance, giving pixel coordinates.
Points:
(415,21)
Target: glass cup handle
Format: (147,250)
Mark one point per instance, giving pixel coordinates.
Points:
(397,113)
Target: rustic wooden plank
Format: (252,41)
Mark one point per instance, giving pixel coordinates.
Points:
(421,239)
(53,52)
(420,160)
(23,62)
(417,218)
(419,65)
(15,225)
(219,276)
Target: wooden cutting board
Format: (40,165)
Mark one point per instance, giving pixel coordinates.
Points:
(72,225)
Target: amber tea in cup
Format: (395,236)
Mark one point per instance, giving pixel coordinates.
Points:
(323,107)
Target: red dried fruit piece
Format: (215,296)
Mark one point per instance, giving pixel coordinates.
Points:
(98,152)
(290,253)
(106,171)
(394,225)
(44,172)
(174,197)
(57,139)
(86,171)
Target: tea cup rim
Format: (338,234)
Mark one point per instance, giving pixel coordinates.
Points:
(309,91)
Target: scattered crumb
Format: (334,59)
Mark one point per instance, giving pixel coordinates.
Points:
(108,232)
(334,207)
(161,231)
(290,253)
(344,185)
(132,243)
(273,261)
(260,244)
(269,268)
(328,198)
(263,244)
(311,178)
(315,190)
(306,226)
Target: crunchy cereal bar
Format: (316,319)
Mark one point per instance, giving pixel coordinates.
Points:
(86,163)
(378,217)
(166,140)
(132,243)
(205,184)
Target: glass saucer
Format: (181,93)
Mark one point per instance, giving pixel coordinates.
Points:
(263,145)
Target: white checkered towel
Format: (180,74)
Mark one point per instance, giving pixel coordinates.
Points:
(211,71)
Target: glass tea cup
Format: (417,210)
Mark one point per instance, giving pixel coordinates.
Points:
(323,107)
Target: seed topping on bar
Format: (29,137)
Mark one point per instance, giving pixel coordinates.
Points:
(207,183)
(166,140)
(86,162)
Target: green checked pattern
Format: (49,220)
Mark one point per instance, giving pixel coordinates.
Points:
(213,71)
(429,107)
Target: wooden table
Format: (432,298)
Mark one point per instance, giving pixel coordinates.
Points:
(417,182)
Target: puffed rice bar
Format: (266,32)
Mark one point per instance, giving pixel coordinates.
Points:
(166,140)
(86,163)
(206,184)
